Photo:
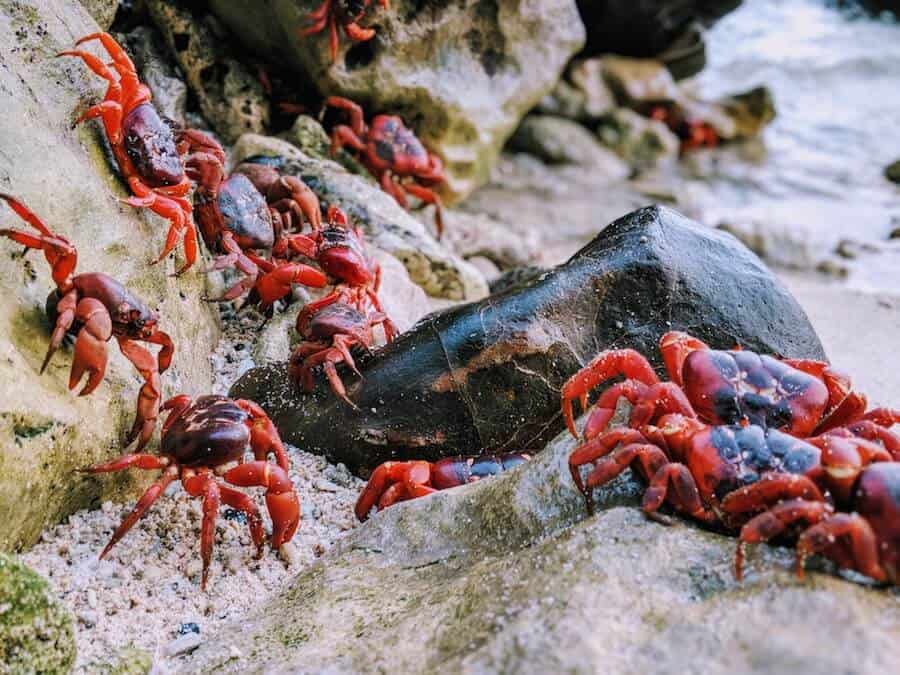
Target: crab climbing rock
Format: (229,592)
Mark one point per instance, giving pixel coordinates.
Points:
(344,13)
(96,308)
(143,144)
(393,155)
(202,445)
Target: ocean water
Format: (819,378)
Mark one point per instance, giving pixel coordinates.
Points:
(811,192)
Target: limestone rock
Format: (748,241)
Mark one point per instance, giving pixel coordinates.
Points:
(588,78)
(510,575)
(231,97)
(68,179)
(386,225)
(564,101)
(642,142)
(557,140)
(102,11)
(892,172)
(36,633)
(506,243)
(462,74)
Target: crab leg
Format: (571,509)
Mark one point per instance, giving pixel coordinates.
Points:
(276,284)
(675,482)
(428,196)
(595,449)
(244,503)
(771,489)
(862,539)
(774,522)
(294,196)
(65,318)
(384,477)
(164,357)
(604,366)
(149,396)
(203,485)
(141,507)
(674,347)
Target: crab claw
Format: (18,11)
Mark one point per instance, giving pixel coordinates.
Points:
(281,499)
(90,346)
(277,283)
(414,477)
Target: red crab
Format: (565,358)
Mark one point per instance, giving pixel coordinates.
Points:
(743,476)
(800,397)
(347,13)
(328,335)
(205,440)
(143,144)
(96,308)
(394,482)
(340,251)
(392,154)
(235,218)
(692,133)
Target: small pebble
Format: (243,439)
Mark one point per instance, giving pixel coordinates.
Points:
(325,485)
(188,627)
(183,645)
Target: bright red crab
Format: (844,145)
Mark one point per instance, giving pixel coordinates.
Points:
(204,441)
(329,336)
(693,134)
(799,397)
(347,14)
(143,144)
(236,219)
(394,482)
(392,154)
(96,307)
(762,482)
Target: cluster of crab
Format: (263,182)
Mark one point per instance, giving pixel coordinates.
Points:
(251,220)
(767,448)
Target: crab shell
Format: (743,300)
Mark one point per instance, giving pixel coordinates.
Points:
(211,432)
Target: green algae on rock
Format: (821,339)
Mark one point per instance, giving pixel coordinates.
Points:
(36,633)
(461,74)
(68,178)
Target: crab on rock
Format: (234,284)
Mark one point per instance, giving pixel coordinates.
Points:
(340,251)
(394,482)
(96,308)
(347,13)
(204,441)
(329,334)
(235,218)
(392,154)
(143,144)
(760,481)
(799,397)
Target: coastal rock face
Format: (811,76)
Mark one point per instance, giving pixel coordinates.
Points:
(510,575)
(488,374)
(67,177)
(386,225)
(230,95)
(557,140)
(462,74)
(36,633)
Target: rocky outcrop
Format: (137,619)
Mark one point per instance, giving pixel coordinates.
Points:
(386,225)
(511,575)
(461,73)
(36,633)
(488,374)
(230,95)
(556,140)
(67,177)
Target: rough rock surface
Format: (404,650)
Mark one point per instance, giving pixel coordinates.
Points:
(462,73)
(488,374)
(67,178)
(146,48)
(230,95)
(386,225)
(36,634)
(556,140)
(102,11)
(892,172)
(510,575)
(503,242)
